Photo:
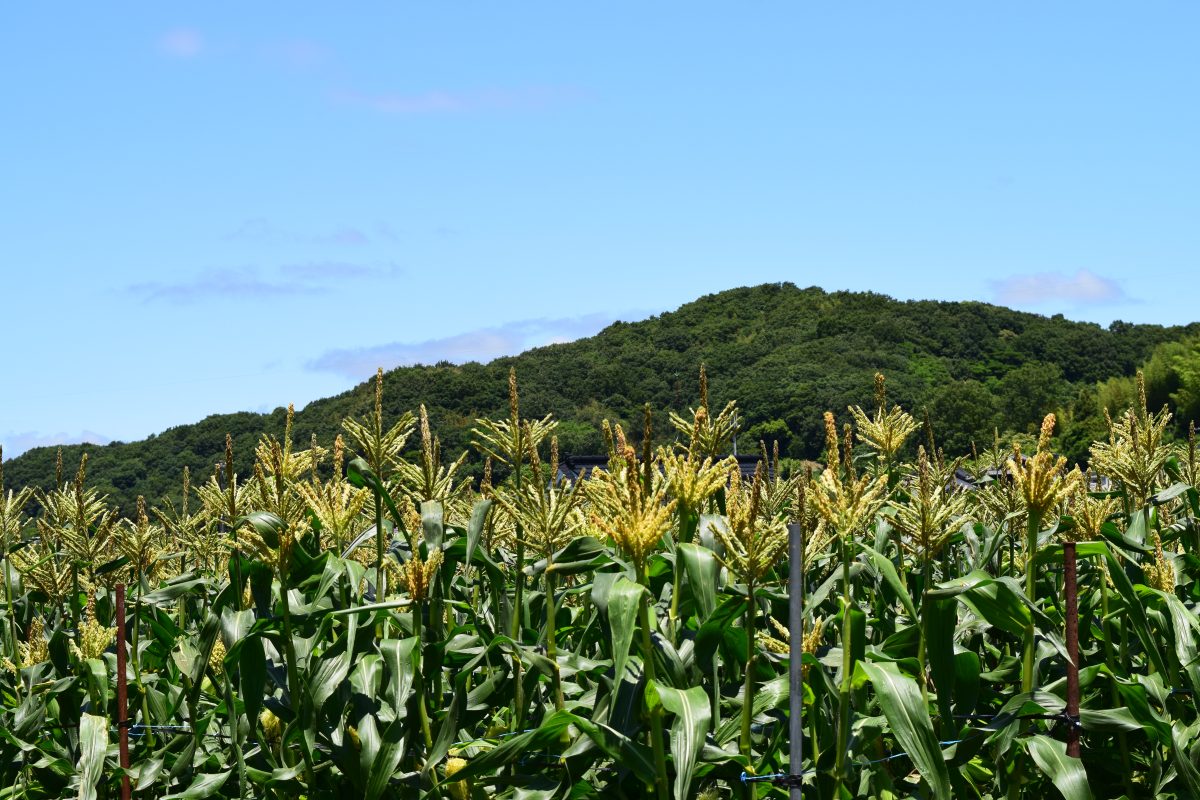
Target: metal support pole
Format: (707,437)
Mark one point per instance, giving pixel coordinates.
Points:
(1072,620)
(795,665)
(122,693)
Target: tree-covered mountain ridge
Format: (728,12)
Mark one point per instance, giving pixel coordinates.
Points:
(785,354)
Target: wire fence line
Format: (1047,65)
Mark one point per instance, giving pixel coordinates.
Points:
(793,780)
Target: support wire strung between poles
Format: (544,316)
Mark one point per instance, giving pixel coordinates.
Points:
(794,781)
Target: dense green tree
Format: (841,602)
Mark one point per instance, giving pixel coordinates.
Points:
(1029,392)
(964,412)
(785,354)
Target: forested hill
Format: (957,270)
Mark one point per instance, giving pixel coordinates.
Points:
(785,354)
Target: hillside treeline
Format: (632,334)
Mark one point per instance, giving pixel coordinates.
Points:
(786,354)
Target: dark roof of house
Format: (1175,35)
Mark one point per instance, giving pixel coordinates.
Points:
(574,467)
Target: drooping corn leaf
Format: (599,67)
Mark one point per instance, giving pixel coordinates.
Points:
(93,744)
(400,657)
(888,570)
(623,599)
(702,569)
(360,474)
(1066,773)
(692,718)
(205,785)
(476,526)
(332,670)
(900,699)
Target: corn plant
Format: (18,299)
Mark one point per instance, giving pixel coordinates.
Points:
(356,617)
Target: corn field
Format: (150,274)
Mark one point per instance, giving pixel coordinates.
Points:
(357,619)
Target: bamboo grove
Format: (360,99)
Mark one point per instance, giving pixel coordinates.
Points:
(355,618)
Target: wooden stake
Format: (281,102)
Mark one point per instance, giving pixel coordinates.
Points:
(122,693)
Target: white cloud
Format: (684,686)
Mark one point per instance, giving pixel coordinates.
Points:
(1084,288)
(483,344)
(17,443)
(181,43)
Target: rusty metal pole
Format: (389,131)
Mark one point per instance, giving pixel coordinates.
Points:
(796,656)
(1072,619)
(122,694)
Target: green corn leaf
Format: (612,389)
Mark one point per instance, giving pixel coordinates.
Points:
(276,777)
(370,607)
(332,670)
(391,753)
(966,681)
(146,773)
(1185,625)
(96,673)
(623,599)
(581,554)
(361,475)
(267,525)
(771,695)
(693,715)
(900,699)
(368,537)
(625,751)
(456,552)
(172,590)
(1053,553)
(1108,720)
(476,526)
(1181,740)
(433,524)
(252,675)
(717,628)
(990,540)
(514,747)
(367,676)
(702,569)
(235,626)
(1066,773)
(995,601)
(1136,613)
(204,645)
(93,744)
(205,785)
(1136,531)
(400,656)
(888,570)
(943,617)
(706,532)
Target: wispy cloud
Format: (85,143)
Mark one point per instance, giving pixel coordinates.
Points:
(287,280)
(1084,288)
(450,102)
(332,271)
(342,236)
(17,443)
(259,230)
(483,344)
(181,43)
(219,283)
(296,53)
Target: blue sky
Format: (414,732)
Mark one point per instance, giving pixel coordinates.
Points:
(234,206)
